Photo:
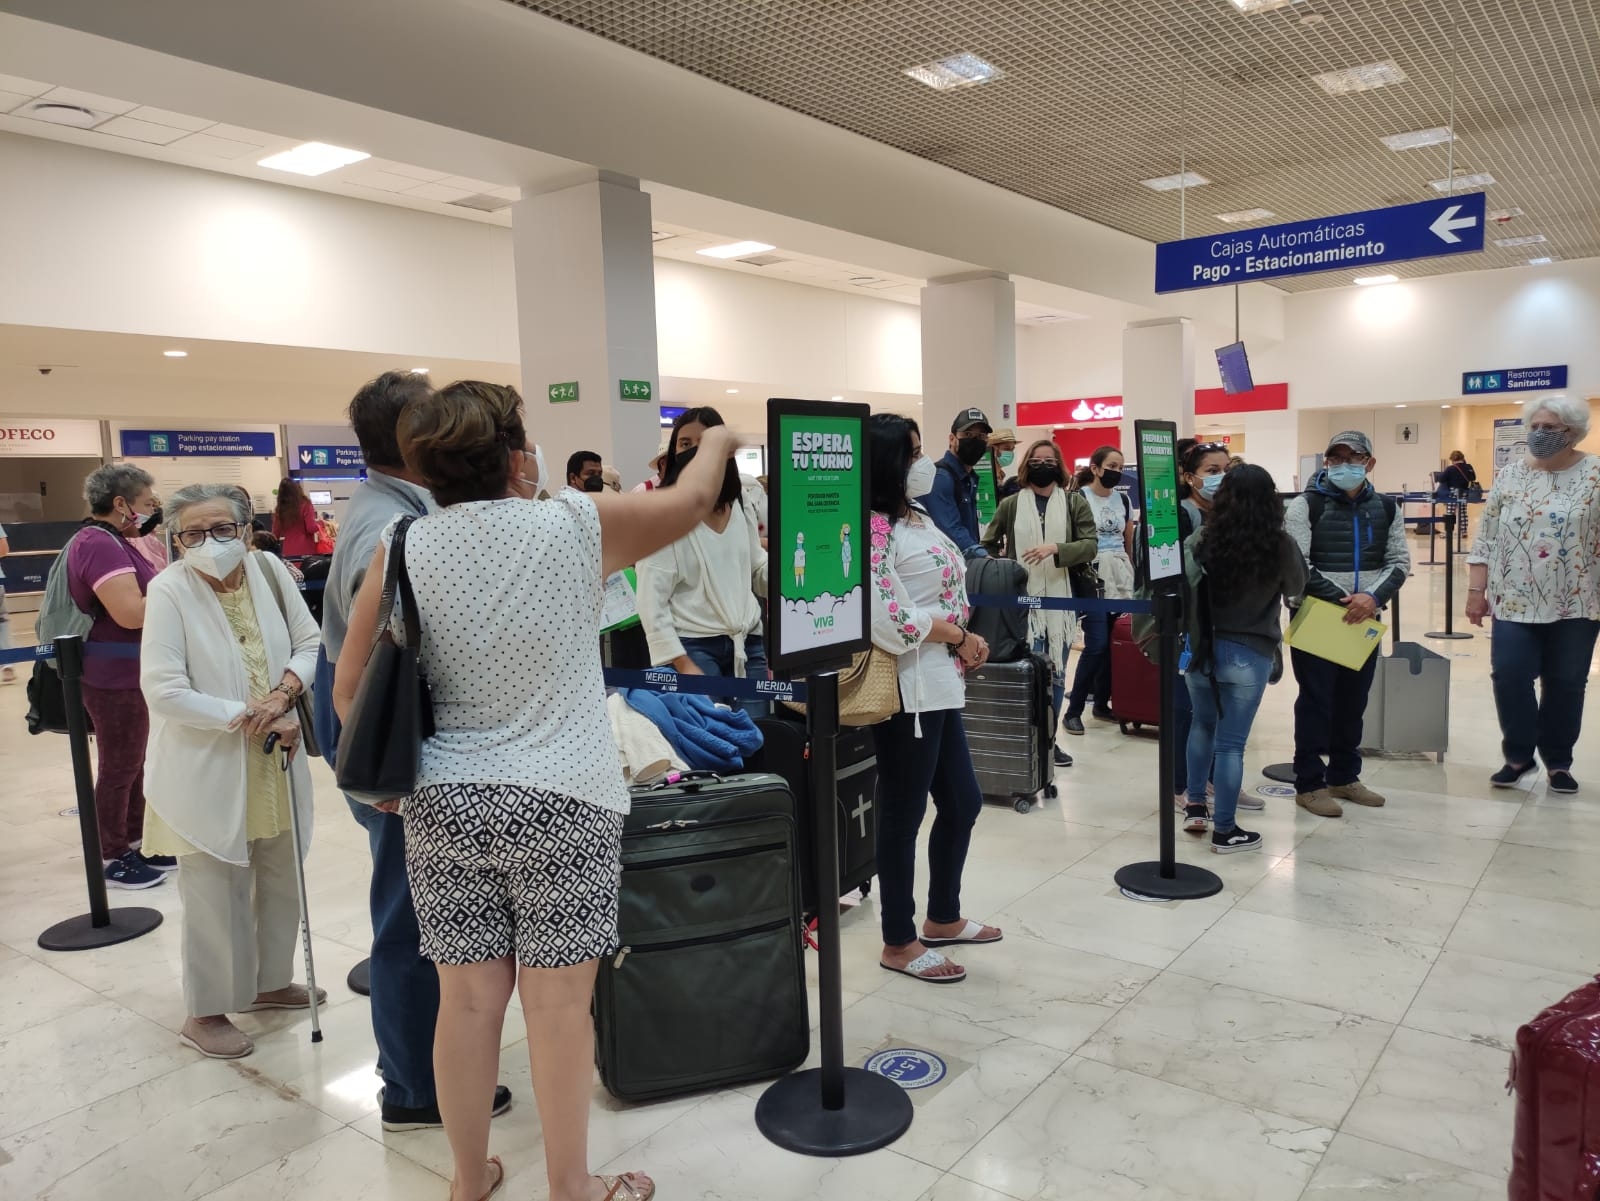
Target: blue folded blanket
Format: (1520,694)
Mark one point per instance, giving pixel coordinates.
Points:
(705,736)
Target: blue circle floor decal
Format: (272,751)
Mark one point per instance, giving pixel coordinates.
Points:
(908,1067)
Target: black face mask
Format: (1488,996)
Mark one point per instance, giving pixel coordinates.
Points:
(150,524)
(970,450)
(1110,477)
(594,484)
(1042,475)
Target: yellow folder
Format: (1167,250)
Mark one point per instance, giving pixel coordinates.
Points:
(1319,629)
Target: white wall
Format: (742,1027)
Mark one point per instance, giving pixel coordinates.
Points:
(1084,358)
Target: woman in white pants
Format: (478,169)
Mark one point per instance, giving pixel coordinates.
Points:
(228,647)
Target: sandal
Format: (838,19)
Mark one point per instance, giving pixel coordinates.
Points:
(923,965)
(499,1180)
(971,933)
(628,1191)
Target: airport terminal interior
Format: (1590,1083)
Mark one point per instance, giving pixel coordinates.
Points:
(1316,236)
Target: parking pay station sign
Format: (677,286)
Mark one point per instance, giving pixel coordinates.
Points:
(1449,225)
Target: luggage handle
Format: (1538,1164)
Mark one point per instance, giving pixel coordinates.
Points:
(691,781)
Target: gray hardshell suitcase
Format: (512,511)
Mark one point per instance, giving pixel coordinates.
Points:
(1010,730)
(708,987)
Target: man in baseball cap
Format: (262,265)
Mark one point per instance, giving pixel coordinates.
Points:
(953,503)
(1354,542)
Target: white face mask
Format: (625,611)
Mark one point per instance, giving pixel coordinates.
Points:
(218,560)
(919,480)
(538,462)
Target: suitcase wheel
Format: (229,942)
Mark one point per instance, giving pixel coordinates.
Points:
(1051,791)
(1023,804)
(866,888)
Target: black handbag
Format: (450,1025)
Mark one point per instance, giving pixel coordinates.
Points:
(380,748)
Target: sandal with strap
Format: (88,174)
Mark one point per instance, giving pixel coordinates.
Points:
(922,967)
(499,1180)
(621,1188)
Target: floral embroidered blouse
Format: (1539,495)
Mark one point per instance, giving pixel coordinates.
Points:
(917,576)
(1540,537)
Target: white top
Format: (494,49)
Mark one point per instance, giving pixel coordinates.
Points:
(703,585)
(917,577)
(1110,518)
(510,593)
(195,684)
(1540,537)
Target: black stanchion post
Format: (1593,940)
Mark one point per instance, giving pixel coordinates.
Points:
(831,1110)
(1394,619)
(102,926)
(1166,879)
(1449,630)
(1433,526)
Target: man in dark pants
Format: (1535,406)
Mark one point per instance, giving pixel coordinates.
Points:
(953,503)
(1354,542)
(405,986)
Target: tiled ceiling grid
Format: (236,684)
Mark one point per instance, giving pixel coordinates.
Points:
(1097,95)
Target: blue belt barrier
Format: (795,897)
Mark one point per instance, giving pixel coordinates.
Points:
(664,679)
(1077,604)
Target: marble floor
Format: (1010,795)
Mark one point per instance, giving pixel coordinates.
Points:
(1333,1025)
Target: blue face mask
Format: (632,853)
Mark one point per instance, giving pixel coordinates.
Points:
(1209,485)
(1347,476)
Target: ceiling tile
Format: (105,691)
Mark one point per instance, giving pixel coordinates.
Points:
(417,174)
(439,191)
(212,146)
(161,116)
(140,131)
(28,87)
(471,186)
(384,181)
(100,104)
(11,100)
(237,133)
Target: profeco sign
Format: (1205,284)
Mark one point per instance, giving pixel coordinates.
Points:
(53,439)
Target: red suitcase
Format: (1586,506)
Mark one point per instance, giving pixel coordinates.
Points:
(1135,682)
(1555,1070)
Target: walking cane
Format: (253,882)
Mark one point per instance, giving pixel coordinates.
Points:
(300,878)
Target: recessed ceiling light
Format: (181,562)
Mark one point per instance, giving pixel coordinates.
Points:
(1525,240)
(1399,406)
(1171,183)
(958,71)
(1246,215)
(419,371)
(1419,137)
(1544,260)
(57,113)
(1359,79)
(1366,281)
(1250,7)
(313,158)
(1481,180)
(732,391)
(1504,214)
(735,250)
(835,398)
(1444,406)
(176,354)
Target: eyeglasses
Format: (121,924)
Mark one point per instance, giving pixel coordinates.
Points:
(1342,460)
(227,531)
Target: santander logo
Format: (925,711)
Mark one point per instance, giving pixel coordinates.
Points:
(1083,412)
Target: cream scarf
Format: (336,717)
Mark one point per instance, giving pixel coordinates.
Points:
(1046,579)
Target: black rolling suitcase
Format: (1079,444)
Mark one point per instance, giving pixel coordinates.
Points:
(1009,721)
(785,751)
(708,987)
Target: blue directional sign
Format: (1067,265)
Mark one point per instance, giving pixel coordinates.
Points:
(338,459)
(1449,225)
(1514,379)
(184,444)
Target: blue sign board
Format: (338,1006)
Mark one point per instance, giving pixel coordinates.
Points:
(335,460)
(670,413)
(184,444)
(1514,379)
(1448,225)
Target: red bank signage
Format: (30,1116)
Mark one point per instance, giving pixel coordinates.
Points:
(1208,402)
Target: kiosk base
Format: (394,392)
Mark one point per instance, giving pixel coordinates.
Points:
(876,1111)
(81,934)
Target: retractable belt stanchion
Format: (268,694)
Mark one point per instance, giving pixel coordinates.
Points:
(832,1110)
(102,926)
(1449,630)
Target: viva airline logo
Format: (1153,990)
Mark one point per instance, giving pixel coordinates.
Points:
(1097,412)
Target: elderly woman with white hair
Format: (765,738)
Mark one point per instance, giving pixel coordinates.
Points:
(1535,568)
(228,648)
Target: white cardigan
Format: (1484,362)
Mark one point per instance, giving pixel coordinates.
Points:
(195,684)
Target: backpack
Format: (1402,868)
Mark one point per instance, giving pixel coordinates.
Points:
(1005,629)
(59,616)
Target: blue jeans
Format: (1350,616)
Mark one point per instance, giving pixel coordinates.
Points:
(1225,704)
(1058,672)
(714,657)
(910,768)
(1094,664)
(1556,654)
(405,986)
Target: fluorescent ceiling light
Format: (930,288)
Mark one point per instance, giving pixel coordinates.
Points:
(835,398)
(176,354)
(1246,215)
(1504,214)
(1359,79)
(1419,137)
(958,71)
(1544,260)
(313,158)
(1366,281)
(732,391)
(735,250)
(1399,406)
(1481,180)
(1171,183)
(1250,7)
(419,371)
(1444,406)
(1525,240)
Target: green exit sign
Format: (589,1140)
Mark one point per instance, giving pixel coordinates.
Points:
(563,392)
(634,389)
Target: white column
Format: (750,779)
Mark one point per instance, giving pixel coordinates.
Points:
(969,351)
(1157,375)
(586,313)
(1272,440)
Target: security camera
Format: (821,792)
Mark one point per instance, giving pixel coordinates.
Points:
(46,370)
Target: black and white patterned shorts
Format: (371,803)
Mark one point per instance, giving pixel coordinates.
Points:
(497,869)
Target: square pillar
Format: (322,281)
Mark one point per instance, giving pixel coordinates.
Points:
(969,351)
(1158,375)
(1272,440)
(586,315)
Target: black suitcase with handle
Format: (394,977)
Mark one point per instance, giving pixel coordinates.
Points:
(1010,725)
(708,987)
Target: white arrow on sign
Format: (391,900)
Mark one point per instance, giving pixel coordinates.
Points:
(1448,222)
(305,456)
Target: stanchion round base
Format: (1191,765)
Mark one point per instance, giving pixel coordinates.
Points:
(1453,635)
(876,1112)
(1280,773)
(1188,883)
(360,978)
(81,934)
